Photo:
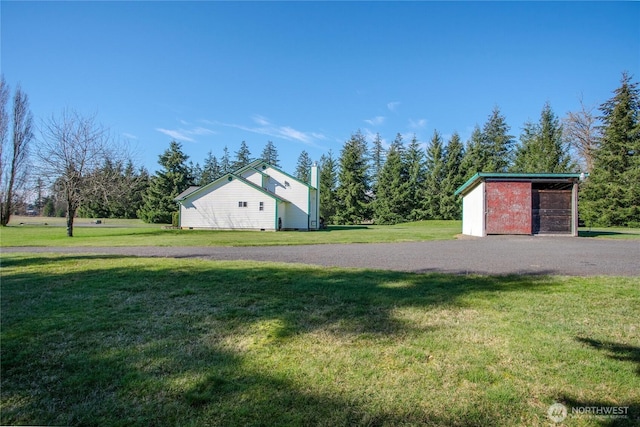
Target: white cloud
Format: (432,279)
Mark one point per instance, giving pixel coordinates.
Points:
(376,121)
(269,129)
(175,134)
(417,124)
(186,134)
(393,106)
(261,120)
(200,131)
(129,135)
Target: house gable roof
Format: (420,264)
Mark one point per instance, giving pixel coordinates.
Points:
(186,192)
(258,165)
(483,176)
(227,177)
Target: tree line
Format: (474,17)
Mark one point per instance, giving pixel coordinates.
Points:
(83,172)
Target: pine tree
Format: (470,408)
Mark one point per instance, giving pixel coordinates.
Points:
(453,178)
(243,157)
(611,195)
(541,146)
(303,167)
(434,176)
(497,144)
(210,170)
(270,154)
(377,158)
(195,172)
(328,188)
(390,206)
(225,162)
(415,165)
(159,203)
(354,191)
(474,160)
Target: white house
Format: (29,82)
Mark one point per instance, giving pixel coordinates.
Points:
(258,196)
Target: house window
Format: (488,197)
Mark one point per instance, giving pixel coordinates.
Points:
(242,204)
(261,206)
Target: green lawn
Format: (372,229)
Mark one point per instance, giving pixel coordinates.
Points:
(32,231)
(94,340)
(114,233)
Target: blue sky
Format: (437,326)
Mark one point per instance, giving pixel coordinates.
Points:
(306,75)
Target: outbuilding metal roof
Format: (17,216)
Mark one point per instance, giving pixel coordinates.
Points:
(482,176)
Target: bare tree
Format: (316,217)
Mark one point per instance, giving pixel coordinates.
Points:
(14,164)
(4,126)
(582,134)
(73,147)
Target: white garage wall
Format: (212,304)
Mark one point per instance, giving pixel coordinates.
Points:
(473,212)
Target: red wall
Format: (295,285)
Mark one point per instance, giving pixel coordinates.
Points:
(508,207)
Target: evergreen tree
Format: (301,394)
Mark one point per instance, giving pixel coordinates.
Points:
(497,144)
(453,178)
(270,154)
(116,191)
(541,146)
(158,201)
(354,191)
(611,195)
(210,170)
(243,157)
(303,167)
(435,170)
(328,188)
(474,160)
(225,162)
(377,157)
(390,206)
(415,165)
(195,172)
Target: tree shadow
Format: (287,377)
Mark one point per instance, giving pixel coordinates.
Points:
(330,228)
(616,351)
(141,345)
(597,233)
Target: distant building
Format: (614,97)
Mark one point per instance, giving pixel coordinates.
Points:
(258,196)
(520,203)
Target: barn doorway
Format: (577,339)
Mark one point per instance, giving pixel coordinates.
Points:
(551,208)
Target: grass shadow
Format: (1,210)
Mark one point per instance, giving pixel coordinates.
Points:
(344,227)
(621,352)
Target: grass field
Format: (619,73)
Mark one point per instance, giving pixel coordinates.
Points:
(92,340)
(130,233)
(32,231)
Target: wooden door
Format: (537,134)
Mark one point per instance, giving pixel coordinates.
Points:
(551,211)
(508,207)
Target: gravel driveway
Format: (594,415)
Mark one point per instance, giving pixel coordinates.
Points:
(489,255)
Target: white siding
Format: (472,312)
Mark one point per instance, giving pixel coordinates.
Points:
(217,207)
(253,176)
(473,212)
(297,212)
